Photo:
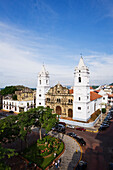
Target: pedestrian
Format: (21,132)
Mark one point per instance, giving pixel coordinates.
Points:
(53,163)
(56,164)
(54,154)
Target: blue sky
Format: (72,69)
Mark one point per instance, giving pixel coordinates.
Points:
(55,32)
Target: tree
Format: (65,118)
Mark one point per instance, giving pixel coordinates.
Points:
(5,152)
(14,97)
(8,90)
(25,122)
(43,118)
(9,130)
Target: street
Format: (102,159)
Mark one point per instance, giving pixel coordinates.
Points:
(98,151)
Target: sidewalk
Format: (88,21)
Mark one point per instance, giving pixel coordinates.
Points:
(72,153)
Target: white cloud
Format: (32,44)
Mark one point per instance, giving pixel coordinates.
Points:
(22,54)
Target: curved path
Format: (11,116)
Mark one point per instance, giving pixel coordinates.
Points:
(72,153)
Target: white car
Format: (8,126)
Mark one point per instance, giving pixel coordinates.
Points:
(70,126)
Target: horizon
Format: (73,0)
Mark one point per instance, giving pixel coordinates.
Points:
(55,33)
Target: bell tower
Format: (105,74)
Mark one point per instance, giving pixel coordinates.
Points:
(42,87)
(81,102)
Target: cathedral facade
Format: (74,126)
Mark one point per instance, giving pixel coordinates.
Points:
(78,103)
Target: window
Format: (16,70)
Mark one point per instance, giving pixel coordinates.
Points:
(58,100)
(40,81)
(39,103)
(39,95)
(79,79)
(79,108)
(28,105)
(79,99)
(46,81)
(48,99)
(79,71)
(103,98)
(87,97)
(15,108)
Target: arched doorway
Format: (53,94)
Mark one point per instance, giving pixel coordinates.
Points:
(58,110)
(70,113)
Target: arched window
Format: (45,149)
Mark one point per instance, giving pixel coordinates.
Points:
(40,81)
(79,79)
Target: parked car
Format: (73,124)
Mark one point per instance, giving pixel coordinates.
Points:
(102,128)
(59,128)
(105,125)
(63,123)
(81,129)
(70,126)
(71,134)
(80,140)
(82,165)
(11,111)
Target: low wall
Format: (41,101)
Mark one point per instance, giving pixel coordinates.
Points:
(70,122)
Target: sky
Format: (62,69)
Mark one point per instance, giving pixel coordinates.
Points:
(56,33)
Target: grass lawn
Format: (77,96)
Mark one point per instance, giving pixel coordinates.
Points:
(42,152)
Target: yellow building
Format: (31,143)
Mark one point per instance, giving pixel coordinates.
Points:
(60,99)
(25,94)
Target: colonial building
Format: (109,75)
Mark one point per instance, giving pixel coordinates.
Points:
(78,103)
(25,101)
(60,99)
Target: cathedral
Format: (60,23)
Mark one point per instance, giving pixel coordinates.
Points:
(77,103)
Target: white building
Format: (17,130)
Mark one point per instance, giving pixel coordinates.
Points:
(42,87)
(85,101)
(17,106)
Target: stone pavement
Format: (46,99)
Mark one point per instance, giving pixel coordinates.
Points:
(72,153)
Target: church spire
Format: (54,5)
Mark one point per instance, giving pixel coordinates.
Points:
(81,63)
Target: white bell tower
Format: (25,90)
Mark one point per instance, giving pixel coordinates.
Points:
(81,102)
(42,87)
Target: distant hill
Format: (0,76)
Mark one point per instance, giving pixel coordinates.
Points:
(95,87)
(111,84)
(11,89)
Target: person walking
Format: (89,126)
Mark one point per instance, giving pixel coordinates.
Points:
(56,164)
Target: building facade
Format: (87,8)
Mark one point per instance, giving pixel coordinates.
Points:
(60,99)
(42,87)
(78,103)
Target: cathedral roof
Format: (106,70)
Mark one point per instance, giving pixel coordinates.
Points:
(94,96)
(43,71)
(81,63)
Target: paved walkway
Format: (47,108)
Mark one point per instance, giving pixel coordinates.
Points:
(70,157)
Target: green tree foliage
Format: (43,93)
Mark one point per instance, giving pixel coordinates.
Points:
(9,130)
(14,97)
(8,90)
(18,126)
(25,122)
(103,110)
(43,118)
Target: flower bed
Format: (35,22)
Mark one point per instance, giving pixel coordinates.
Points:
(42,152)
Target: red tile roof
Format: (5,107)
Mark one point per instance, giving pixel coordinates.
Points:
(94,96)
(91,87)
(110,95)
(97,91)
(70,91)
